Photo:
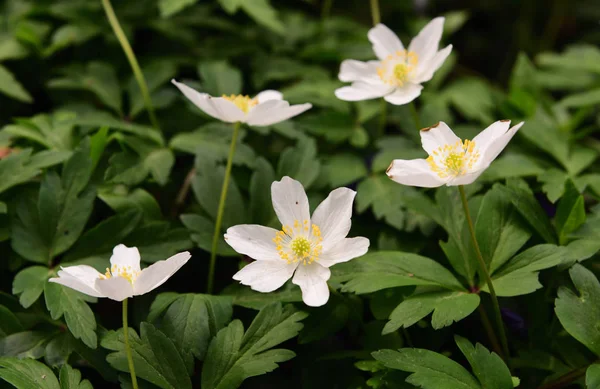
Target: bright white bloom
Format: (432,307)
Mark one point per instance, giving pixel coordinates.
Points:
(452,161)
(124,279)
(267,108)
(399,73)
(305,247)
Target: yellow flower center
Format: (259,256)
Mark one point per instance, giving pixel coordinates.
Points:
(121,271)
(242,102)
(299,243)
(397,68)
(453,160)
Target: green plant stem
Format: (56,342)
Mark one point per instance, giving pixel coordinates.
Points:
(487,325)
(326,9)
(486,275)
(566,379)
(135,66)
(221,209)
(382,118)
(127,348)
(375,13)
(415,115)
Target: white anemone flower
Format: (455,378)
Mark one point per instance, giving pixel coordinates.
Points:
(124,279)
(452,161)
(265,109)
(305,247)
(399,73)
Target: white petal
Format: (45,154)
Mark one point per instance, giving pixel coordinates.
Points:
(227,111)
(115,288)
(312,279)
(268,95)
(82,278)
(289,201)
(496,147)
(425,70)
(436,136)
(352,70)
(494,131)
(266,276)
(405,94)
(466,179)
(344,250)
(333,216)
(126,257)
(200,100)
(274,111)
(384,41)
(426,43)
(158,273)
(362,91)
(415,172)
(254,241)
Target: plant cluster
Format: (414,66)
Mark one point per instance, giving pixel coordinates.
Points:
(244,193)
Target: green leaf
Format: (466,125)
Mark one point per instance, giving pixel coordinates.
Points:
(430,369)
(472,97)
(27,374)
(138,199)
(29,284)
(592,377)
(447,307)
(499,231)
(336,127)
(579,313)
(12,88)
(344,169)
(10,48)
(583,99)
(202,231)
(570,213)
(155,357)
(543,131)
(9,323)
(220,78)
(44,230)
(191,321)
(388,269)
(97,77)
(26,344)
(248,298)
(261,208)
(234,355)
(71,379)
(61,300)
(53,131)
(171,7)
(488,367)
(300,162)
(71,35)
(531,210)
(259,10)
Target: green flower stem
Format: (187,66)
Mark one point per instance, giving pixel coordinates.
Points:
(127,348)
(486,275)
(487,325)
(375,12)
(415,115)
(326,9)
(221,209)
(135,66)
(567,379)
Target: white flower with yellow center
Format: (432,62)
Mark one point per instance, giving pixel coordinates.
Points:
(399,73)
(124,278)
(265,109)
(305,247)
(452,161)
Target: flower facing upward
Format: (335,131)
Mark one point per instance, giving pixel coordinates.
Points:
(398,74)
(305,247)
(452,161)
(124,278)
(265,109)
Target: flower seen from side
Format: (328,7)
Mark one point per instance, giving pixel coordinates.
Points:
(265,109)
(398,74)
(305,247)
(124,278)
(452,161)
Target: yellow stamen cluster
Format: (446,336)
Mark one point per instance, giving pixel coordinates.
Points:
(243,102)
(453,160)
(396,69)
(121,271)
(295,244)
